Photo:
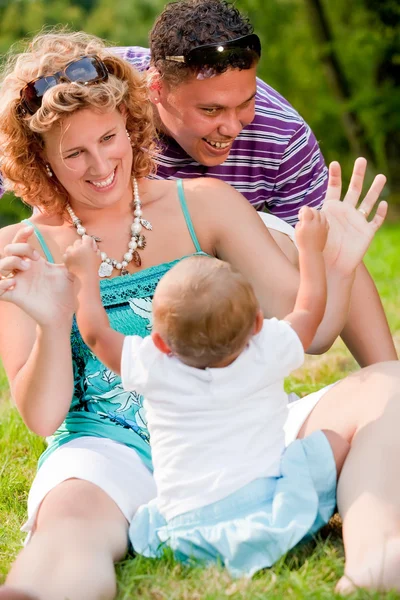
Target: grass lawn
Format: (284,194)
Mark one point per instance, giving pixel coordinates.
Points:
(310,571)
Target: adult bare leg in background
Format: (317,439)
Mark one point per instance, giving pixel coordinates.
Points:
(364,408)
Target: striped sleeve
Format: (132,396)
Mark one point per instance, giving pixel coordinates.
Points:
(302,176)
(137,56)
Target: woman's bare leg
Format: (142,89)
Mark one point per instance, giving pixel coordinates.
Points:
(80,533)
(340,448)
(365,409)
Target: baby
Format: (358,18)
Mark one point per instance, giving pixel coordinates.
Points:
(211,373)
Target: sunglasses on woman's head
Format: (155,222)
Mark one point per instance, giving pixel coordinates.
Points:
(86,70)
(214,55)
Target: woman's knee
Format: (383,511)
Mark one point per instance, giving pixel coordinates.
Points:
(80,507)
(356,401)
(78,498)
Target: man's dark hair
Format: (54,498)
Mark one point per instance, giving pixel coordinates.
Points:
(187,24)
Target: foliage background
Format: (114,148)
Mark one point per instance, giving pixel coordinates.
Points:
(342,73)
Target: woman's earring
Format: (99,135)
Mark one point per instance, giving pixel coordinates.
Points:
(49,172)
(128,134)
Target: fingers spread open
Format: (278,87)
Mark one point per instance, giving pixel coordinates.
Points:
(334,182)
(356,182)
(380,215)
(372,196)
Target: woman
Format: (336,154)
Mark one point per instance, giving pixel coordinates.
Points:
(77,139)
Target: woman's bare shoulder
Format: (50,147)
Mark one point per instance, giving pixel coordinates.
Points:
(196,184)
(211,193)
(210,184)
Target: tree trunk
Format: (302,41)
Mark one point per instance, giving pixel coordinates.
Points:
(387,14)
(353,128)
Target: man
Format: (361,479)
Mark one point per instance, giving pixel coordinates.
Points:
(216,119)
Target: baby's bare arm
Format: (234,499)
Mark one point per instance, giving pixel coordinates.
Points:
(309,309)
(82,260)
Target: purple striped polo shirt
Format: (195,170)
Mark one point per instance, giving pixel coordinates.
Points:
(275,162)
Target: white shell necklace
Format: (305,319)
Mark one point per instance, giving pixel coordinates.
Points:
(137,239)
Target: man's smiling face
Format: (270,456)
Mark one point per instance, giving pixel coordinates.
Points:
(206,115)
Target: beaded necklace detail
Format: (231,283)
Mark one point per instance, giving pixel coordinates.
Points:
(137,241)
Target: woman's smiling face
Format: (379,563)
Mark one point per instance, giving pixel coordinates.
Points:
(90,154)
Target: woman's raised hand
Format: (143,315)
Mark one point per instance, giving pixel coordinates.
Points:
(17,255)
(350,231)
(43,290)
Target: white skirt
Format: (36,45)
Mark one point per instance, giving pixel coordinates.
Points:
(113,467)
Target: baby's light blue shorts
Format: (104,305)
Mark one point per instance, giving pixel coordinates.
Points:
(256,525)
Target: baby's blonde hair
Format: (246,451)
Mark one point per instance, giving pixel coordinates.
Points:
(204,310)
(21,142)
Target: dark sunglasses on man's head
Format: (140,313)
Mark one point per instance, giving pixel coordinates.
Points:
(86,70)
(211,55)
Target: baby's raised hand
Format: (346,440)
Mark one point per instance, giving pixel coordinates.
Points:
(311,230)
(83,258)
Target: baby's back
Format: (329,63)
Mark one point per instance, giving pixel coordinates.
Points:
(214,430)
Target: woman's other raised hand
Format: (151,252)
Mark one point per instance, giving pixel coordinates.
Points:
(350,231)
(43,290)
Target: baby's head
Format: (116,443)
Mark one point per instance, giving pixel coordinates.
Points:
(204,312)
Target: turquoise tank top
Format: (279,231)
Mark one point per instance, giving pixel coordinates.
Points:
(100,406)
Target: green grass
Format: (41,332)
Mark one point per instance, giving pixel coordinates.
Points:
(309,571)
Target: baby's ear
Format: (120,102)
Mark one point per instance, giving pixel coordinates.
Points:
(159,343)
(258,322)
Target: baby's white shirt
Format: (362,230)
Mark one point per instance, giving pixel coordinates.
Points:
(213,430)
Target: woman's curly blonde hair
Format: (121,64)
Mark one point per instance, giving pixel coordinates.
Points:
(21,142)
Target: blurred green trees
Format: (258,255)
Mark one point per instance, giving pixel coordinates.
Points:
(337,62)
